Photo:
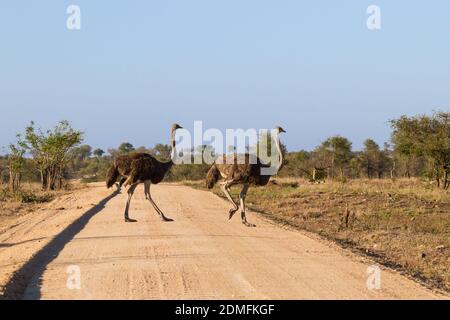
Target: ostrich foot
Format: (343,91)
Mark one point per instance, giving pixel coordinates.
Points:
(232,213)
(165,219)
(130,220)
(248,224)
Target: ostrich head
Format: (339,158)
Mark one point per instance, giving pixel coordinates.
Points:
(175,127)
(279,130)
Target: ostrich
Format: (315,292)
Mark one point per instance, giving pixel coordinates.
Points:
(141,168)
(245,172)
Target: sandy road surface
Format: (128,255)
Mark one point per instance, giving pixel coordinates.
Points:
(199,256)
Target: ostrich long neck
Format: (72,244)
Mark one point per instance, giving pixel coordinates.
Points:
(280,153)
(168,165)
(173,152)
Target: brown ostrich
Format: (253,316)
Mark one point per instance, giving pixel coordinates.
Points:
(141,168)
(243,172)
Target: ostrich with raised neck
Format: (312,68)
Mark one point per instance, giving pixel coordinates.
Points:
(239,169)
(142,168)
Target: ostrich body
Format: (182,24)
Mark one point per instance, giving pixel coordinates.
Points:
(239,169)
(141,168)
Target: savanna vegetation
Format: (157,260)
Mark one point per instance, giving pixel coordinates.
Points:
(419,148)
(390,201)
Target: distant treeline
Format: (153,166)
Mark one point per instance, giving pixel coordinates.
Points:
(419,147)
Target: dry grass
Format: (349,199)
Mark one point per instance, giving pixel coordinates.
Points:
(404,224)
(28,198)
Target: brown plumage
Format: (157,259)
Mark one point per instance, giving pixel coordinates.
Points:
(238,169)
(141,168)
(138,167)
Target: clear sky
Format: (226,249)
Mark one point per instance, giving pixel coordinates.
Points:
(135,67)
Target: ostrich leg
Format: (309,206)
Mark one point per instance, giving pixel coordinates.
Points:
(226,189)
(242,197)
(149,198)
(120,183)
(146,190)
(127,208)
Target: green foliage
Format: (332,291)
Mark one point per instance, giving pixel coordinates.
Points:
(81,153)
(91,169)
(16,163)
(51,151)
(428,137)
(185,172)
(296,164)
(24,196)
(420,148)
(338,151)
(372,160)
(126,147)
(30,197)
(16,158)
(161,151)
(98,153)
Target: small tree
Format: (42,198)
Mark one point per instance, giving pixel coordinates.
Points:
(2,169)
(426,136)
(81,153)
(373,160)
(125,148)
(16,164)
(162,151)
(50,151)
(339,151)
(98,153)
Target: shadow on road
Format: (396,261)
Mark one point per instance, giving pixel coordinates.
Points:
(36,266)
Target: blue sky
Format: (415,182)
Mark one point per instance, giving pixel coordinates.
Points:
(135,67)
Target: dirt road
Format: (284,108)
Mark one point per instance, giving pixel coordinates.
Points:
(199,256)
